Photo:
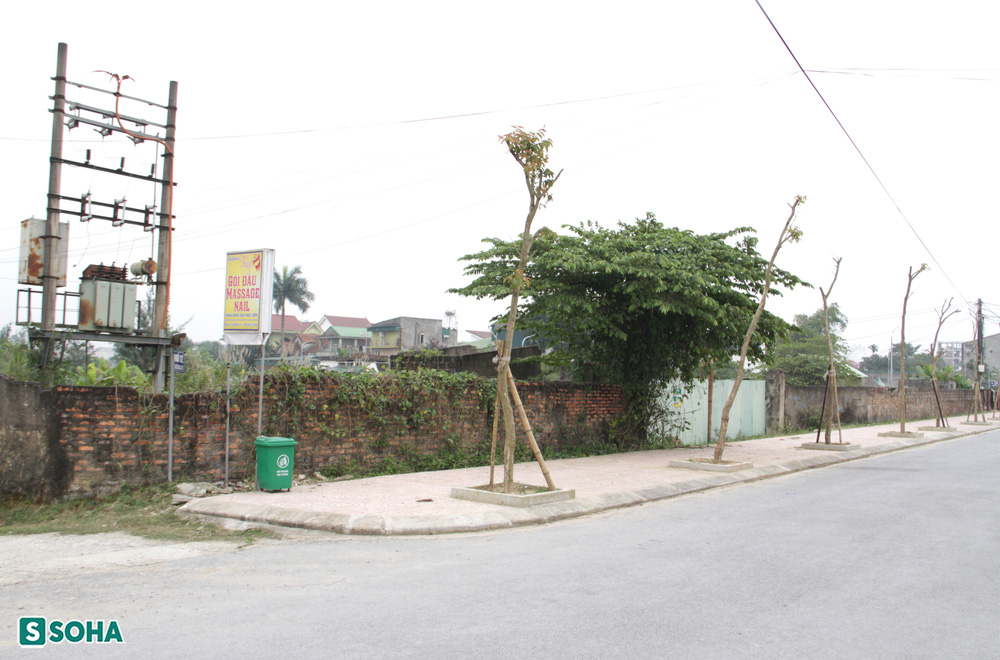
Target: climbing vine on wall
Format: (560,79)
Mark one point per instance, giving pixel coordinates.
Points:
(334,406)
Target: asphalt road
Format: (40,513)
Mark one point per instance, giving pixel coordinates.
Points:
(895,556)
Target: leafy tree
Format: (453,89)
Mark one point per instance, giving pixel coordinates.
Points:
(805,356)
(880,363)
(290,287)
(643,303)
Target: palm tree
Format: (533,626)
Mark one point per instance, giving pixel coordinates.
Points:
(290,286)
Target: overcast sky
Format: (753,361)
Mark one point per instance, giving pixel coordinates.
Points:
(359,140)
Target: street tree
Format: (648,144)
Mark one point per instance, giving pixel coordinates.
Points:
(902,340)
(789,233)
(641,304)
(831,378)
(290,287)
(531,151)
(944,313)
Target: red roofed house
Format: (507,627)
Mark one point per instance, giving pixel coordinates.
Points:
(298,335)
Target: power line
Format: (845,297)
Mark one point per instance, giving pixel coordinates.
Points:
(901,72)
(860,153)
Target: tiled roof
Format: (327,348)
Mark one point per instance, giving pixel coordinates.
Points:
(292,323)
(347,321)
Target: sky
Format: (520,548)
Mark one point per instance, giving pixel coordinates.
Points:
(359,141)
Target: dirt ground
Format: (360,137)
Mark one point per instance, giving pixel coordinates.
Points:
(32,557)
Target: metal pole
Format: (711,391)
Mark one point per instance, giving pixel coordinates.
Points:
(165,248)
(50,279)
(170,425)
(260,405)
(260,400)
(229,360)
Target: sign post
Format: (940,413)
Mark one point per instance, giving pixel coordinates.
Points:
(247,317)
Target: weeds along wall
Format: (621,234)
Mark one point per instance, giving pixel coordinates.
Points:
(80,441)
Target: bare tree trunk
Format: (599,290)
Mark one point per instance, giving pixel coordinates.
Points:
(527,431)
(503,365)
(831,381)
(787,233)
(943,315)
(493,443)
(902,349)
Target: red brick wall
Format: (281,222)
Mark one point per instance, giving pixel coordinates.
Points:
(571,414)
(102,437)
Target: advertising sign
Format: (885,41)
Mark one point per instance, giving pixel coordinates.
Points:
(249,279)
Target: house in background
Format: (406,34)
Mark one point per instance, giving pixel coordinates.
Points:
(297,335)
(952,354)
(990,358)
(342,333)
(404,333)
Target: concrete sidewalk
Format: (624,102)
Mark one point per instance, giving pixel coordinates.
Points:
(421,503)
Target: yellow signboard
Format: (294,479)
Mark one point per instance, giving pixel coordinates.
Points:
(248,291)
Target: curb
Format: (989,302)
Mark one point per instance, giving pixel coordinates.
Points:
(508,517)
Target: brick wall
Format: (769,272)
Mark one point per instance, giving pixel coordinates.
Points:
(32,461)
(88,440)
(860,405)
(566,415)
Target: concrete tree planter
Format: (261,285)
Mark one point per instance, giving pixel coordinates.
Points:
(525,495)
(937,429)
(977,423)
(707,465)
(833,446)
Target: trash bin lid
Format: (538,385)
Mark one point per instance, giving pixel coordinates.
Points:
(264,441)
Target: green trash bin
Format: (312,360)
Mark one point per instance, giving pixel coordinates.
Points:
(275,462)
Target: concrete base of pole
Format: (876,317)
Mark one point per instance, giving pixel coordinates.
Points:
(542,496)
(833,446)
(707,465)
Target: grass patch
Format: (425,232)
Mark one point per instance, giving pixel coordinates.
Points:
(141,511)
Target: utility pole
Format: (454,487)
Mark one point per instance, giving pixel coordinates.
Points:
(50,279)
(977,385)
(979,336)
(165,249)
(117,326)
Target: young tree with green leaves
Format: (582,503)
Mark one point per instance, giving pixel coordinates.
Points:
(290,287)
(641,303)
(531,151)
